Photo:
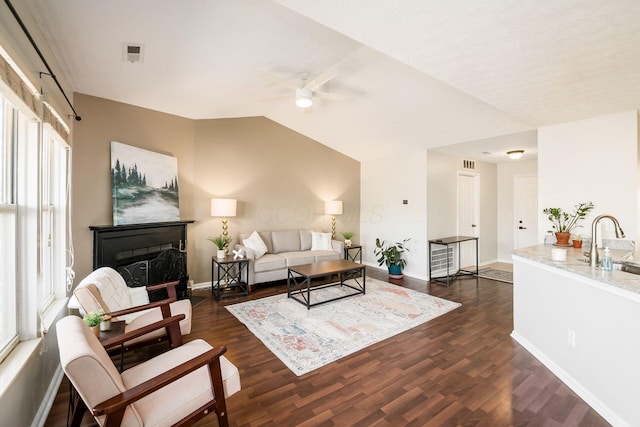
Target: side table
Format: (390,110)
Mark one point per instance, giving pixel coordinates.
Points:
(357,253)
(229,274)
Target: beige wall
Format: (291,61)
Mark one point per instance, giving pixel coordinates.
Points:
(279,177)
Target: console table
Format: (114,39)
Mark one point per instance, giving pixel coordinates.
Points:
(452,241)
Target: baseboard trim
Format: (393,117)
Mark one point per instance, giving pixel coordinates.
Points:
(571,382)
(50,396)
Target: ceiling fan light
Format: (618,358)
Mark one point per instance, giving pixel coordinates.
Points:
(303,98)
(515,154)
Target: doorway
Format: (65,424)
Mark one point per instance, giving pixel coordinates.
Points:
(468,214)
(525,215)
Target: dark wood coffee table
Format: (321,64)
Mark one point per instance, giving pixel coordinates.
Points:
(299,280)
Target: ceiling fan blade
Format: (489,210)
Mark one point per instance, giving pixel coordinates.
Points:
(331,96)
(273,98)
(280,81)
(320,80)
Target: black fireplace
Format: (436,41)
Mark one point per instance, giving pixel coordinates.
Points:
(144,254)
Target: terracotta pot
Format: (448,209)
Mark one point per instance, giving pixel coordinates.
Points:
(563,238)
(577,243)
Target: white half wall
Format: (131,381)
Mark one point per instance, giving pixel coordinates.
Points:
(385,183)
(591,160)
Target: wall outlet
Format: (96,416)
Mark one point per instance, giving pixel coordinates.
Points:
(571,337)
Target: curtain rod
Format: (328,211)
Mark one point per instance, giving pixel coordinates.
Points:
(44,61)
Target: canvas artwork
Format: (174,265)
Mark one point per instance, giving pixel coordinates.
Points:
(144,185)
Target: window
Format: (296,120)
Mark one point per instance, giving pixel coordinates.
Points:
(8,225)
(53,214)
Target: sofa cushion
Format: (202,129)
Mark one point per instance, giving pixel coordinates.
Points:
(285,241)
(255,243)
(269,262)
(320,241)
(320,256)
(298,258)
(305,240)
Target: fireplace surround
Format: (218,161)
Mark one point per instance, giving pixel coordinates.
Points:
(144,254)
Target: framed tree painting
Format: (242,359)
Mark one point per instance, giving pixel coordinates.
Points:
(144,185)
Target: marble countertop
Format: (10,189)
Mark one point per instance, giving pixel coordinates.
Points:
(575,264)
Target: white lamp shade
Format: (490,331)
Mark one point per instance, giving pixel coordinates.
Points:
(333,207)
(225,208)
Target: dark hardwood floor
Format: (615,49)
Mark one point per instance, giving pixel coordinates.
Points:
(460,369)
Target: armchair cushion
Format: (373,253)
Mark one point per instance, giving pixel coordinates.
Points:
(93,374)
(104,289)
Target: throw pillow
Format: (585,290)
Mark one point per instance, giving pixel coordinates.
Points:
(255,243)
(320,241)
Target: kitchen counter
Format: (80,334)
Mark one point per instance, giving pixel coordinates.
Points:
(582,323)
(574,263)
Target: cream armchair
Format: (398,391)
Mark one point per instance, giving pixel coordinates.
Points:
(180,386)
(104,289)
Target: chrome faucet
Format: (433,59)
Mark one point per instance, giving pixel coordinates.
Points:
(594,258)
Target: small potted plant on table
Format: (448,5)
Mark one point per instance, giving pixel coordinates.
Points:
(564,222)
(392,256)
(93,320)
(347,238)
(222,243)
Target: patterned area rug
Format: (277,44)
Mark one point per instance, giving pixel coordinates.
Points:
(307,339)
(499,275)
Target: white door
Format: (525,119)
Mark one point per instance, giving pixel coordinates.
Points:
(468,215)
(525,196)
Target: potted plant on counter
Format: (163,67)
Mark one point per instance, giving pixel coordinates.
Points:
(222,243)
(392,256)
(564,222)
(576,239)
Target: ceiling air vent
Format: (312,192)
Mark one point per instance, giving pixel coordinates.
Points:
(133,52)
(469,165)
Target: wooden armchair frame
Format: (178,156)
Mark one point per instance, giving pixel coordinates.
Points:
(114,408)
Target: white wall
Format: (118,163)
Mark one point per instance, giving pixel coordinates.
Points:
(385,184)
(506,203)
(442,207)
(591,160)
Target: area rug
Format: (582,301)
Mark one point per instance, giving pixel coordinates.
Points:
(499,275)
(305,340)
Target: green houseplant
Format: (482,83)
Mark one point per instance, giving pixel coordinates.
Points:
(93,320)
(347,238)
(222,243)
(392,256)
(564,222)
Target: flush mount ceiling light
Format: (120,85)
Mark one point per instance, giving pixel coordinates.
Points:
(303,98)
(515,154)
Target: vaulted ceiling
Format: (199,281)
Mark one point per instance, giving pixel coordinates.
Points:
(414,74)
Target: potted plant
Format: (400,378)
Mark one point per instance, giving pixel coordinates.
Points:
(222,243)
(576,239)
(392,256)
(347,238)
(93,320)
(564,222)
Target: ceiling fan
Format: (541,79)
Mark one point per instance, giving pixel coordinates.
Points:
(308,88)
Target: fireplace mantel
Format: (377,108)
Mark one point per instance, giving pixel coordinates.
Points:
(123,245)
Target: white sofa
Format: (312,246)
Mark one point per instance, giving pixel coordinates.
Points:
(285,248)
